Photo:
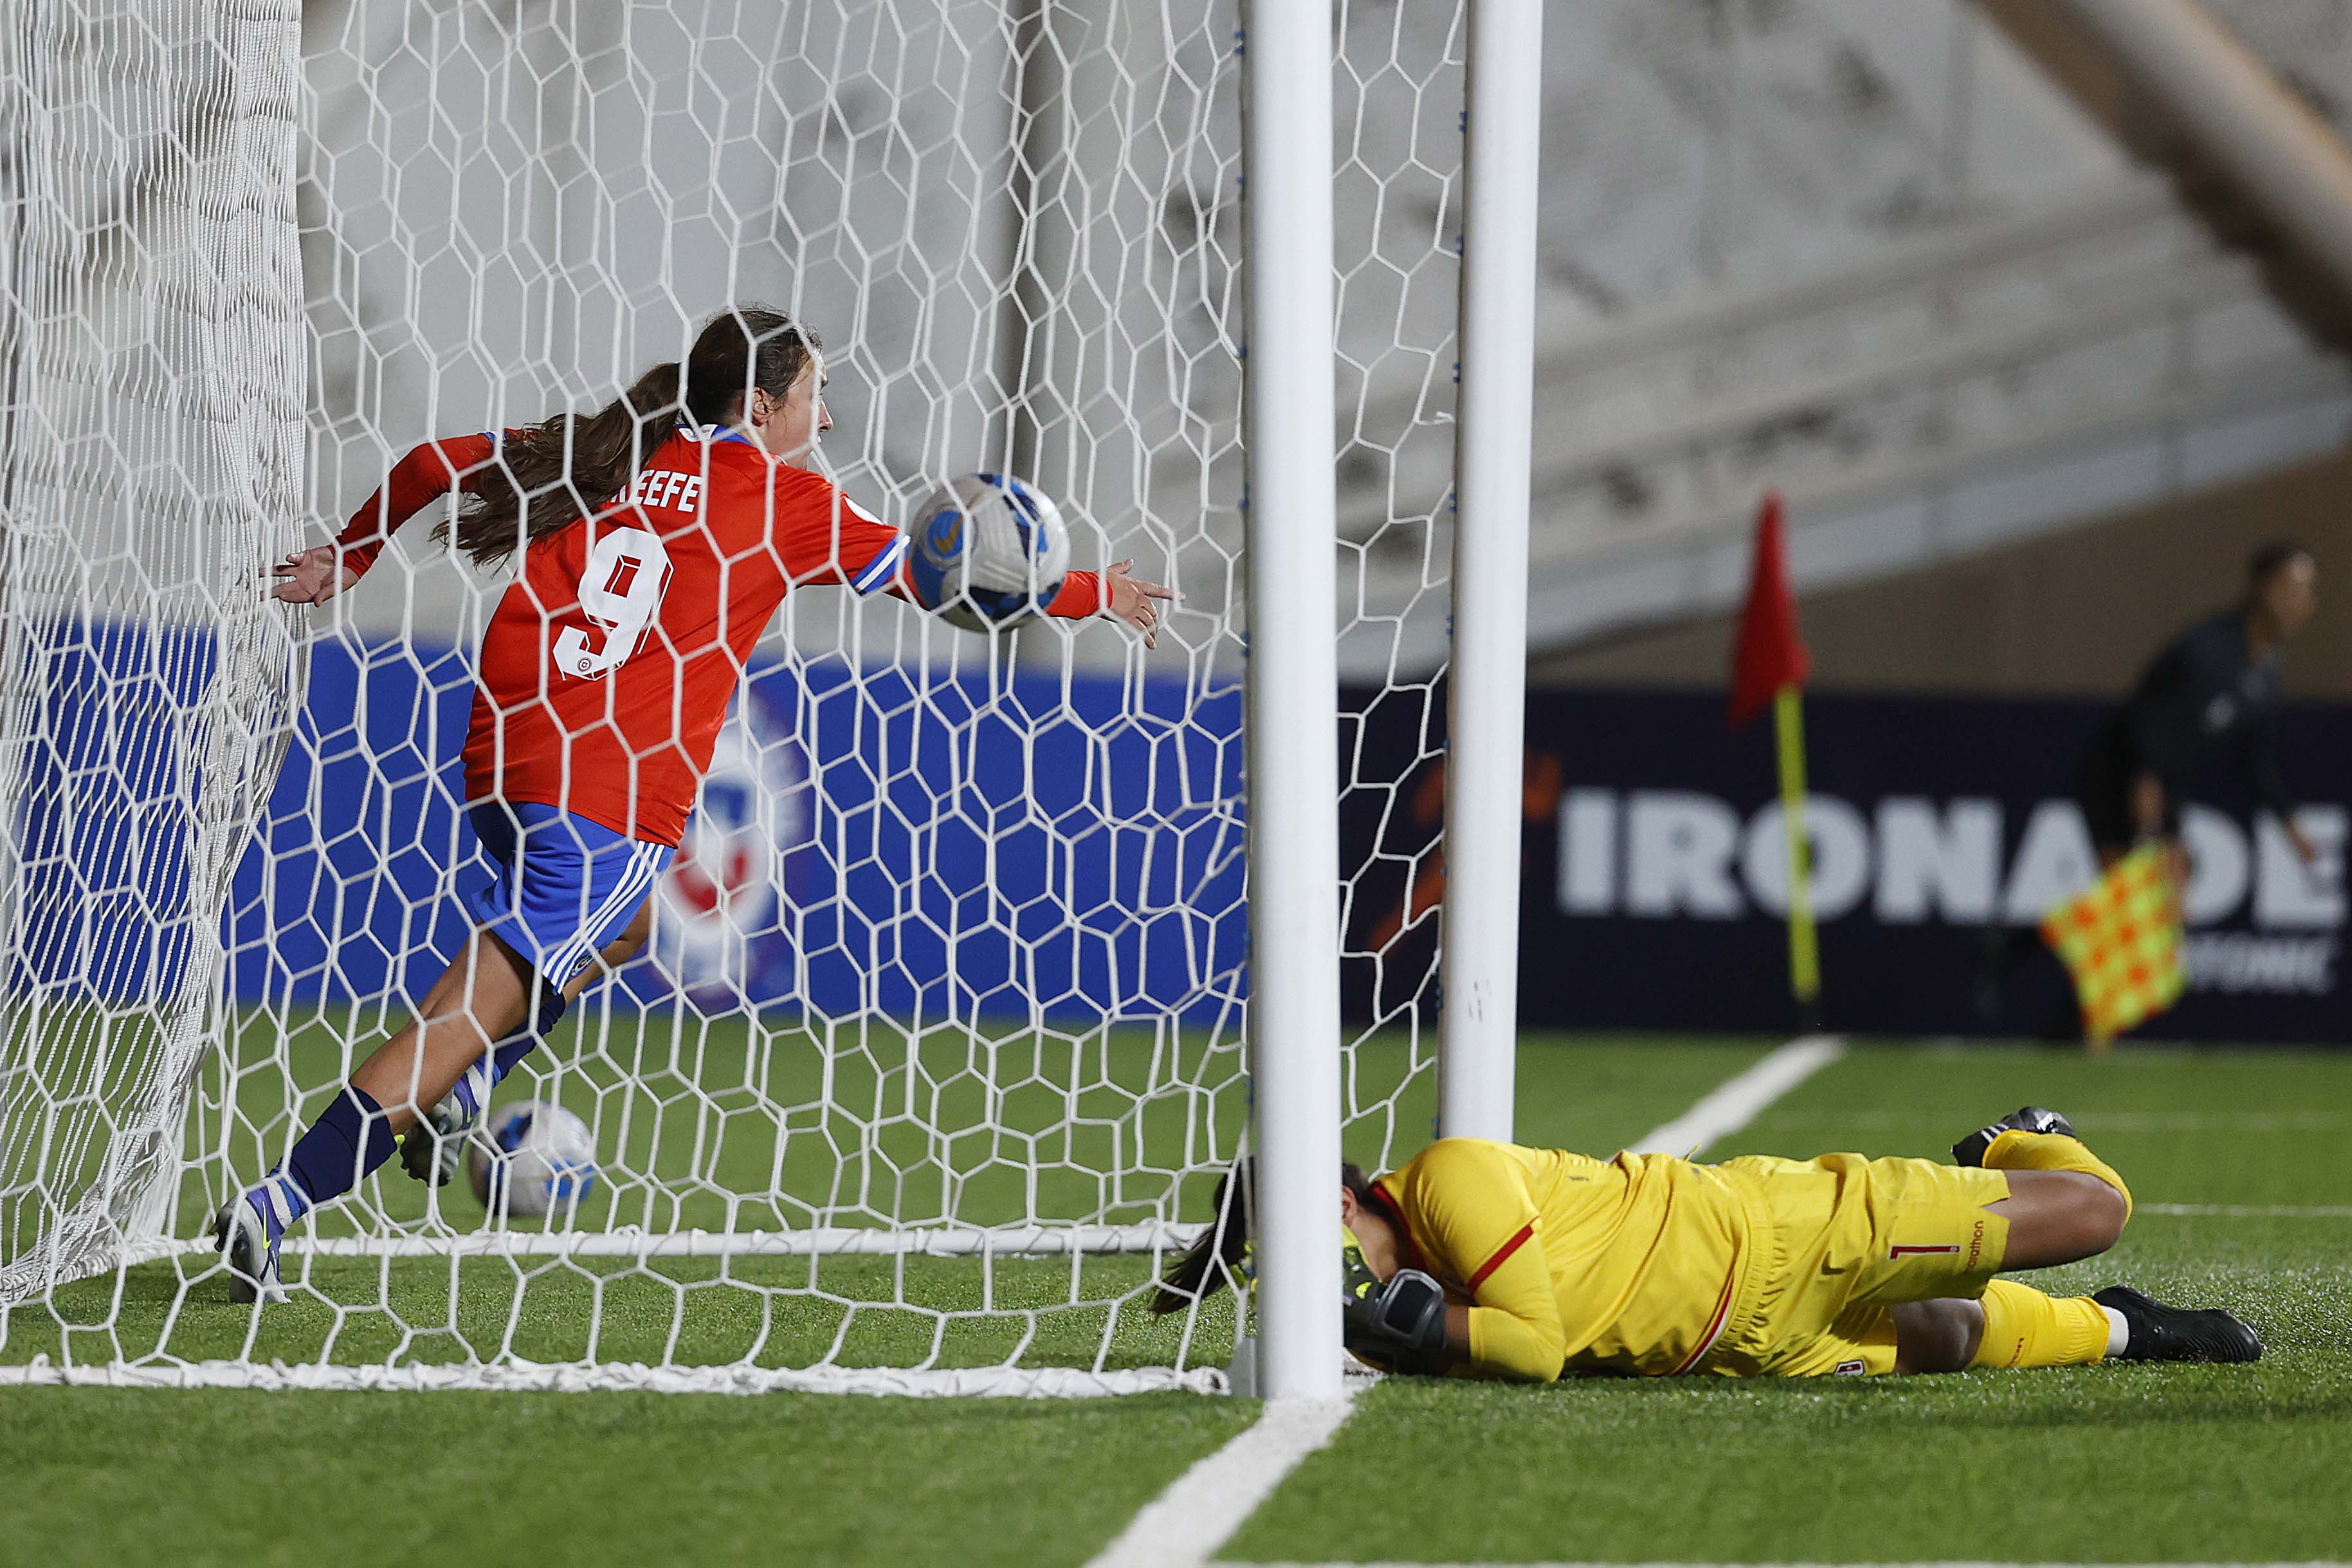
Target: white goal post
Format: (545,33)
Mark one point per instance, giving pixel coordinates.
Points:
(1486,700)
(1294,684)
(985,957)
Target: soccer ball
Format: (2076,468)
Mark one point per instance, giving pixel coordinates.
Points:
(989,552)
(532,1158)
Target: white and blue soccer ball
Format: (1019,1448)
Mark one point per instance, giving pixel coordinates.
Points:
(532,1159)
(989,552)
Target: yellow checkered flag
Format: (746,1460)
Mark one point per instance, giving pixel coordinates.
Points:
(2121,942)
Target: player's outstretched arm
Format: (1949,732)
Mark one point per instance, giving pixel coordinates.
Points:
(312,576)
(829,538)
(1118,593)
(1127,597)
(428,472)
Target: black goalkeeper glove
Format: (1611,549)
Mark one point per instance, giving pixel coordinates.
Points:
(1399,1326)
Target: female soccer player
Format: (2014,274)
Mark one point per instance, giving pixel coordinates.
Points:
(1489,1260)
(658,538)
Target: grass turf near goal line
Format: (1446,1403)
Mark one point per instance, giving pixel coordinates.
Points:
(390,1280)
(2149,1464)
(2115,1463)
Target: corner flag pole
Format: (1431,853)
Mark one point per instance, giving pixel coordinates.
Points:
(1769,663)
(1804,950)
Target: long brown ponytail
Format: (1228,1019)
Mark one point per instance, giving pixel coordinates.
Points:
(1215,1254)
(549,475)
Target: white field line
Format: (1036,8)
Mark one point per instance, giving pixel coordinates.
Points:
(1735,1102)
(2302,1563)
(2210,1120)
(972,1383)
(2098,1122)
(1201,1509)
(2251,1211)
(1186,1524)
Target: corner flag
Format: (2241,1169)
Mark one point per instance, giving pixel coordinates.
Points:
(1769,663)
(1769,654)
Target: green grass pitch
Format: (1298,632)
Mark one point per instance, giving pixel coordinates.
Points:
(2111,1463)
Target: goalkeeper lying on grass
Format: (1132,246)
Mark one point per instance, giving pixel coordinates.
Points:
(1489,1260)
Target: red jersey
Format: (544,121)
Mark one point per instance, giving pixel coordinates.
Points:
(606,673)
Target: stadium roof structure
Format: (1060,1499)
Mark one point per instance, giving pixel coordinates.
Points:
(1880,258)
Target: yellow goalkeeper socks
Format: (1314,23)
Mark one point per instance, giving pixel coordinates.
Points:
(2019,1150)
(2023,1327)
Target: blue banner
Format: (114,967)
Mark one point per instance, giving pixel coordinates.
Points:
(1038,846)
(926,847)
(105,901)
(1655,875)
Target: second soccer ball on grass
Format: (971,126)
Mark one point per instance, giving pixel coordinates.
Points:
(532,1159)
(989,552)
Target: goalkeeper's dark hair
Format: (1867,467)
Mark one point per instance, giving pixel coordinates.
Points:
(1216,1254)
(550,474)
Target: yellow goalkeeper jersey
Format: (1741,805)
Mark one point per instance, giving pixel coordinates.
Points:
(1651,1265)
(1573,1263)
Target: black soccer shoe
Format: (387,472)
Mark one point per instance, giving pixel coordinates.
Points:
(2155,1332)
(1970,1150)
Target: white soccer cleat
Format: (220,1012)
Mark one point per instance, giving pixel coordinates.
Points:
(429,1151)
(247,1248)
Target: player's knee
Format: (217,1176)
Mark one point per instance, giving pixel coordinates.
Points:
(2104,1212)
(2111,1214)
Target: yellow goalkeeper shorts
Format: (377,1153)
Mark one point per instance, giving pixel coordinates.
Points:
(1841,1239)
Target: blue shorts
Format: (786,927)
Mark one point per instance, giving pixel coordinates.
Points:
(560,887)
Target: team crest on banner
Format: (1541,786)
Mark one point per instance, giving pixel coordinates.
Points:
(717,918)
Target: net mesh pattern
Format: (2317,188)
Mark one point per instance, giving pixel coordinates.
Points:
(151,459)
(941,1042)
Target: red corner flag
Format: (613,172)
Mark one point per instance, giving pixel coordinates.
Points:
(1770,651)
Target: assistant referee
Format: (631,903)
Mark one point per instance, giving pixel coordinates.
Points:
(2212,693)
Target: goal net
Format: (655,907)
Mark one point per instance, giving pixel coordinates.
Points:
(943,1041)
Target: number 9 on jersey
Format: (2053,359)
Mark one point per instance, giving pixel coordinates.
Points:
(620,589)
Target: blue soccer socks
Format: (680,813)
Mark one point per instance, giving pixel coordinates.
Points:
(352,1137)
